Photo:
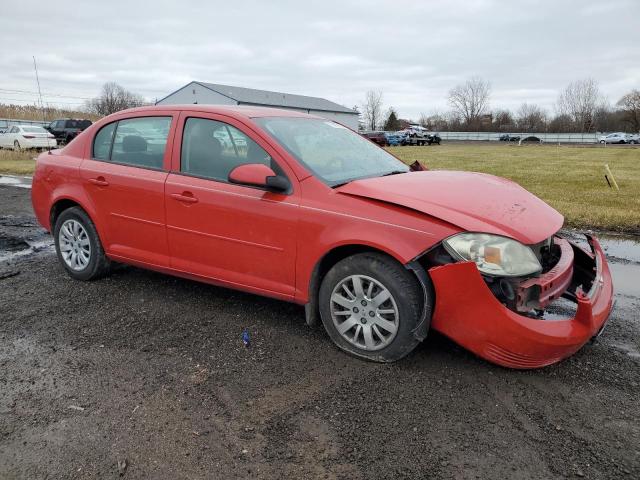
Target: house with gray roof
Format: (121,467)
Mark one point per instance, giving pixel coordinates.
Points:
(215,94)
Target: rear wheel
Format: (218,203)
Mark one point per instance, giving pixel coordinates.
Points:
(16,145)
(369,305)
(78,246)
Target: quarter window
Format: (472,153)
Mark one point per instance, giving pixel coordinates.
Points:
(102,142)
(211,149)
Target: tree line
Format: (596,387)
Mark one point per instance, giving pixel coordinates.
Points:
(580,107)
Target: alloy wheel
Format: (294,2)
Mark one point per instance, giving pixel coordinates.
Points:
(75,245)
(364,312)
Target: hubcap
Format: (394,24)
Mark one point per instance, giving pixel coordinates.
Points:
(364,312)
(75,246)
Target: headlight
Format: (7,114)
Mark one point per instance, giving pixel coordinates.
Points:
(493,254)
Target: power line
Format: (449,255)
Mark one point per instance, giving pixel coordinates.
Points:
(33,102)
(45,94)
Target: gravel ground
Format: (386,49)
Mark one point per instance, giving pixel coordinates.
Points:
(142,375)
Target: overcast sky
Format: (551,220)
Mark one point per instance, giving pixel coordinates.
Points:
(414,52)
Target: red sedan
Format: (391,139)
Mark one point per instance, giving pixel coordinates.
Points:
(300,208)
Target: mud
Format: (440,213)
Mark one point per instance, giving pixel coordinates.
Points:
(142,375)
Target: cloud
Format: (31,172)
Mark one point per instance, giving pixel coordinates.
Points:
(412,51)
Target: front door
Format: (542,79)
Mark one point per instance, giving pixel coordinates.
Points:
(238,235)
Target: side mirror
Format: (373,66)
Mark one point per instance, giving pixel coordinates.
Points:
(258,175)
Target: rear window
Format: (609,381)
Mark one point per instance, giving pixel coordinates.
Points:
(34,129)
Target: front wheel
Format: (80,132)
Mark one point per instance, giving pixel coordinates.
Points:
(16,146)
(369,305)
(78,246)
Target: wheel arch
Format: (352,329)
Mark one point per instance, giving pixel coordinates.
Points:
(65,202)
(327,261)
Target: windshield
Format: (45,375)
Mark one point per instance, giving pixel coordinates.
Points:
(333,153)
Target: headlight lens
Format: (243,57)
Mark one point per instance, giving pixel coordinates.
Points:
(493,254)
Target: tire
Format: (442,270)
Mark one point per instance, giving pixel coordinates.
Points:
(371,334)
(91,262)
(16,146)
(603,142)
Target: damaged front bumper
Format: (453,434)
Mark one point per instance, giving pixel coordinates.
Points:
(469,313)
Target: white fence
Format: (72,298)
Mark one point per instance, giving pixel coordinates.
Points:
(545,137)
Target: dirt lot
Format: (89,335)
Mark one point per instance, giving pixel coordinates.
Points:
(151,370)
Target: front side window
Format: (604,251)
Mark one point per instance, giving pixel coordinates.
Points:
(211,149)
(333,153)
(139,142)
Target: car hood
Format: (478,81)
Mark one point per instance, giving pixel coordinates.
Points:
(472,201)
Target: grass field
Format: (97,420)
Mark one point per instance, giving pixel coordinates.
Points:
(17,163)
(571,179)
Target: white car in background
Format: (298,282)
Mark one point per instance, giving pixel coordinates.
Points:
(20,137)
(634,138)
(618,137)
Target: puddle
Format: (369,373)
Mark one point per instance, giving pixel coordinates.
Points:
(10,244)
(626,249)
(12,248)
(626,279)
(20,182)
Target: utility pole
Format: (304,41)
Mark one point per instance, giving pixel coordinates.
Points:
(35,67)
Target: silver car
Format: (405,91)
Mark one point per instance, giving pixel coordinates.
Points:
(618,137)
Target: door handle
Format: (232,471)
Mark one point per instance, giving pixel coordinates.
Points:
(186,197)
(100,181)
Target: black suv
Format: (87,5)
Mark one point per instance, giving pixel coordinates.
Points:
(66,129)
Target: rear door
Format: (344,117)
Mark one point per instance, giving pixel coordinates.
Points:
(239,235)
(124,174)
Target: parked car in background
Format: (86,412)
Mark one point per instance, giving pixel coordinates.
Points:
(66,129)
(634,138)
(23,137)
(434,138)
(506,137)
(393,139)
(312,213)
(617,137)
(403,136)
(378,138)
(531,139)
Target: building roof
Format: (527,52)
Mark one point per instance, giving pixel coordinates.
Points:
(251,96)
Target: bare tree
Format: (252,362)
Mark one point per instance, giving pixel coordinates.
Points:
(470,100)
(503,120)
(580,101)
(113,98)
(630,105)
(372,109)
(531,118)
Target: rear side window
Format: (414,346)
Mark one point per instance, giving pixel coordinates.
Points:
(139,142)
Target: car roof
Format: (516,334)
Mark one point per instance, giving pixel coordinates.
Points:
(238,111)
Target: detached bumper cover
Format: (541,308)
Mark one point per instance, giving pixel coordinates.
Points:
(468,312)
